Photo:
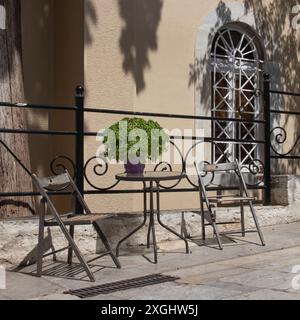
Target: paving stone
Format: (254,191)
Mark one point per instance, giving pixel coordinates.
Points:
(172,291)
(209,277)
(284,264)
(57,296)
(266,294)
(23,287)
(105,297)
(4,297)
(241,269)
(262,279)
(232,286)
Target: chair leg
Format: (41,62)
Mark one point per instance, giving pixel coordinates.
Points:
(70,251)
(244,187)
(215,229)
(107,245)
(75,248)
(214,219)
(203,227)
(242,210)
(40,251)
(203,221)
(257,224)
(243,219)
(52,246)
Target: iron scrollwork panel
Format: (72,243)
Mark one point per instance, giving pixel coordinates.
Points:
(61,163)
(279,137)
(98,169)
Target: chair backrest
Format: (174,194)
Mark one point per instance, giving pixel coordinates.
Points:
(230,166)
(225,167)
(55,182)
(59,183)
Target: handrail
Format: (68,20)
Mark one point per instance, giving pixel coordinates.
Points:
(37,106)
(15,157)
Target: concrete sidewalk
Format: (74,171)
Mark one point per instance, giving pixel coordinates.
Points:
(243,270)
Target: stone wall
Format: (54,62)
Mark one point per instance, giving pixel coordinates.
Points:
(285,190)
(18,238)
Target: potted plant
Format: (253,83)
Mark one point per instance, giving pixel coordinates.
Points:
(134,141)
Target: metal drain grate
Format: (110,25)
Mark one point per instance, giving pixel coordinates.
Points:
(121,285)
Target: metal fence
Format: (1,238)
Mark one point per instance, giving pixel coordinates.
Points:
(279,134)
(261,168)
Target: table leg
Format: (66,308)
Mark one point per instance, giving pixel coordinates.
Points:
(149,227)
(166,227)
(148,235)
(138,228)
(152,226)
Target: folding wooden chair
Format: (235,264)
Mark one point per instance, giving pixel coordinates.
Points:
(210,201)
(59,183)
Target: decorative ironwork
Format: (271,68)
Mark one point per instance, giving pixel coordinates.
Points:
(100,169)
(61,163)
(165,166)
(280,138)
(256,169)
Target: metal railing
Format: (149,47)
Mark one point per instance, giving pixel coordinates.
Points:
(279,134)
(259,168)
(80,166)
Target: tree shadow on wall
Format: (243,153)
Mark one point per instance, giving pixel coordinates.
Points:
(139,36)
(274,24)
(199,74)
(91,18)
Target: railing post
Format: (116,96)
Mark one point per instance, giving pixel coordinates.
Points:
(79,101)
(267,180)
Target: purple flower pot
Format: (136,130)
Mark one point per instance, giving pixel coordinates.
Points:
(134,168)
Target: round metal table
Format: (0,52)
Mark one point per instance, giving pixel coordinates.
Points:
(153,179)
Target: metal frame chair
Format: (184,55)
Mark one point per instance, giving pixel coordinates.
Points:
(60,183)
(209,201)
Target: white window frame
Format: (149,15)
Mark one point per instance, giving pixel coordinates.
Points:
(232,66)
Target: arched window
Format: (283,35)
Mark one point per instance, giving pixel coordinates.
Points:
(237,62)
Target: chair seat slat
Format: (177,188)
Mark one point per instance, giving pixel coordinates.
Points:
(220,167)
(76,220)
(55,181)
(230,199)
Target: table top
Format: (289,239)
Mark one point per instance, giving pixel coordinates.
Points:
(151,176)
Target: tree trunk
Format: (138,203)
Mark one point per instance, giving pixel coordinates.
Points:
(12,177)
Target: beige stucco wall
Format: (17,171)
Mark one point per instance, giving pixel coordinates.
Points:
(163,35)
